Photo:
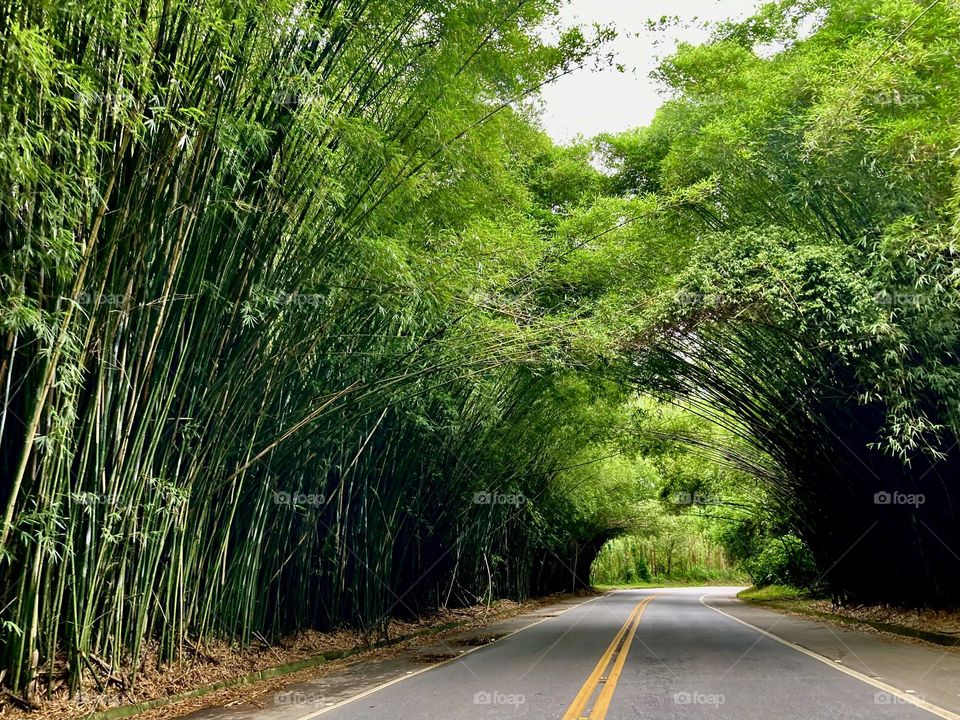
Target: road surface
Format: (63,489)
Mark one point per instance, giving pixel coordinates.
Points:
(657,654)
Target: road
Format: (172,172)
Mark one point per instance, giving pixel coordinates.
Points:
(657,654)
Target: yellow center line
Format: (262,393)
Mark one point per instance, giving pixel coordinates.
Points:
(617,651)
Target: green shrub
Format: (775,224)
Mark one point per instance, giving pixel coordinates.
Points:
(641,570)
(783,561)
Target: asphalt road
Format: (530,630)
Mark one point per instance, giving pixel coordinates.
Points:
(656,654)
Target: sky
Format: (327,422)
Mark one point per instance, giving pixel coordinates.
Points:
(590,102)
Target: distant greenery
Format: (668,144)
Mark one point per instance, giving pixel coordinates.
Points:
(702,520)
(683,559)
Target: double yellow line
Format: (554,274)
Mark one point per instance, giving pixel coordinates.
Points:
(607,672)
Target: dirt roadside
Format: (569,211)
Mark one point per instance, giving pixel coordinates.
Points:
(940,628)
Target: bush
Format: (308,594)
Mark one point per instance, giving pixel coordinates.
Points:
(642,571)
(783,561)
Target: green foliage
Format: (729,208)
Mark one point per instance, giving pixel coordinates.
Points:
(262,330)
(798,195)
(783,561)
(674,555)
(289,294)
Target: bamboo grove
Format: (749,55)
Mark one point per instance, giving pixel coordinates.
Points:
(816,315)
(304,322)
(254,364)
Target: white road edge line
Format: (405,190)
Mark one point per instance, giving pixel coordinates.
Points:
(906,697)
(387,684)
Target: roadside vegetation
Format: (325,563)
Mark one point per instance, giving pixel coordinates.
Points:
(813,313)
(305,324)
(684,559)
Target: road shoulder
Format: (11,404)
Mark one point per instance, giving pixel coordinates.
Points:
(913,668)
(315,691)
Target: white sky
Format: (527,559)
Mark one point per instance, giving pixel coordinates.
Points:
(590,102)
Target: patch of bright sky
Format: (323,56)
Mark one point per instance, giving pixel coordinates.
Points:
(588,102)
